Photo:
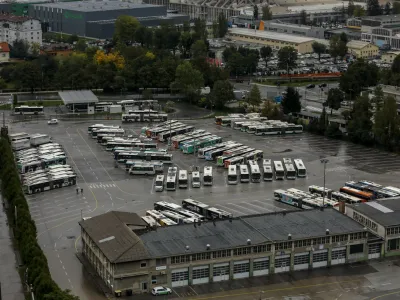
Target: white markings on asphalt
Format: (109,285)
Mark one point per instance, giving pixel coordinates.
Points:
(339,296)
(193,290)
(176,293)
(101,185)
(386,283)
(120,199)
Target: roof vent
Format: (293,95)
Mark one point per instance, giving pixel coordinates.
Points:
(208,246)
(187,248)
(327,232)
(289,236)
(248,241)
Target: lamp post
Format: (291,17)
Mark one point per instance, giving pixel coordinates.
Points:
(324,161)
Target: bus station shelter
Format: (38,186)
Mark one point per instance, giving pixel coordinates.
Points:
(79,101)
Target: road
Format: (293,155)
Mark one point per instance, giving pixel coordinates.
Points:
(56,213)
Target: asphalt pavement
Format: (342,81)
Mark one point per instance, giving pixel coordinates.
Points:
(56,213)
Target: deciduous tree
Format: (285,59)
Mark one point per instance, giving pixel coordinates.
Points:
(222,25)
(291,101)
(287,57)
(387,122)
(358,76)
(254,97)
(255,12)
(222,93)
(266,13)
(373,8)
(350,8)
(271,110)
(335,97)
(125,28)
(360,125)
(378,98)
(319,48)
(266,54)
(188,80)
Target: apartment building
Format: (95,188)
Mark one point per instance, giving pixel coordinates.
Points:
(24,28)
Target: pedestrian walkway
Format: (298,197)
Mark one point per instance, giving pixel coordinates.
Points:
(10,281)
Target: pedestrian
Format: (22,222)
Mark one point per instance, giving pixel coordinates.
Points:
(81,191)
(77,191)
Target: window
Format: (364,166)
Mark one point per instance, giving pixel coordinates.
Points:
(281,262)
(261,248)
(241,251)
(221,270)
(261,265)
(221,253)
(339,238)
(302,259)
(302,243)
(161,262)
(393,231)
(241,268)
(143,264)
(153,279)
(180,259)
(320,241)
(179,276)
(284,245)
(357,236)
(322,256)
(338,254)
(201,256)
(201,273)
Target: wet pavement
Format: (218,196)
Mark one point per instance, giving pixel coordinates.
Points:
(10,281)
(56,213)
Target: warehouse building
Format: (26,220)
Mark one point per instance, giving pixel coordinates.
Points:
(289,28)
(362,49)
(382,217)
(275,40)
(97,19)
(388,57)
(131,258)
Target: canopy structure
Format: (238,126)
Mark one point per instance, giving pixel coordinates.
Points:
(78,97)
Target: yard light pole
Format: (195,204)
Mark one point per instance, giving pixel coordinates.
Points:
(324,161)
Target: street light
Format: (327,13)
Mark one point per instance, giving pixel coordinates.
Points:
(324,161)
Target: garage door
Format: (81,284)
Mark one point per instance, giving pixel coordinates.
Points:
(282,263)
(180,277)
(320,258)
(338,256)
(302,261)
(241,269)
(201,274)
(221,272)
(261,266)
(374,251)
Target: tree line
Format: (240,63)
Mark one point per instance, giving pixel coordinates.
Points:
(19,218)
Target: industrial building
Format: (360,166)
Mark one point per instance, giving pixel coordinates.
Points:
(389,56)
(382,217)
(352,34)
(275,40)
(97,19)
(23,28)
(290,28)
(382,31)
(362,49)
(132,258)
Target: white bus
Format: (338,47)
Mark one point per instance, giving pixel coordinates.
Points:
(268,174)
(28,110)
(142,169)
(150,221)
(287,161)
(255,174)
(116,131)
(171,182)
(196,183)
(266,162)
(300,168)
(208,176)
(338,196)
(177,217)
(163,205)
(244,173)
(195,206)
(155,214)
(314,189)
(159,183)
(95,127)
(18,136)
(166,222)
(290,171)
(102,106)
(279,170)
(216,213)
(55,182)
(301,193)
(232,174)
(183,179)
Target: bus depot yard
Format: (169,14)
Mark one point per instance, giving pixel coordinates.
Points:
(106,188)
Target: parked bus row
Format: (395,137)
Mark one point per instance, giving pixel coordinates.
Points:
(165,131)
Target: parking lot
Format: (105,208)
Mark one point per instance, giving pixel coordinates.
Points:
(106,188)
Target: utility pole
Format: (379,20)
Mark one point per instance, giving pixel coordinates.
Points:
(324,161)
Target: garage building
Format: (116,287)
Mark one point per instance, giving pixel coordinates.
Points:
(131,258)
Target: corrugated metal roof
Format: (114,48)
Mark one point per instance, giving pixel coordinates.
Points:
(74,97)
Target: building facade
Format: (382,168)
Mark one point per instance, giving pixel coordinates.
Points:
(4,52)
(14,28)
(382,31)
(133,260)
(352,34)
(389,56)
(275,40)
(362,49)
(289,28)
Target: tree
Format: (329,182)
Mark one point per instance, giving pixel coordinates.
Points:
(222,25)
(319,48)
(287,57)
(222,93)
(388,8)
(200,30)
(215,29)
(359,11)
(125,28)
(303,17)
(255,12)
(378,98)
(27,74)
(144,36)
(266,54)
(35,49)
(72,39)
(396,64)
(199,49)
(386,127)
(350,8)
(358,76)
(338,46)
(19,49)
(186,43)
(343,38)
(173,38)
(254,97)
(335,97)
(360,125)
(322,122)
(271,110)
(373,8)
(81,45)
(266,13)
(169,107)
(396,7)
(188,80)
(291,101)
(333,131)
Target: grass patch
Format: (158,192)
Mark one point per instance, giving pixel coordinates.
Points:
(295,83)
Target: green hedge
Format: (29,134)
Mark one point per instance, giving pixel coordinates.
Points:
(25,230)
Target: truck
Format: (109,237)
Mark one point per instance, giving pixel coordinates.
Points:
(20,144)
(39,139)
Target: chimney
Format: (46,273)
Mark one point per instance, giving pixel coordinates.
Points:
(327,232)
(342,206)
(289,236)
(248,242)
(208,246)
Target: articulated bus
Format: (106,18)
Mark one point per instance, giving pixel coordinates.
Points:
(155,214)
(55,182)
(202,151)
(192,139)
(302,193)
(146,156)
(252,128)
(195,206)
(163,206)
(221,159)
(232,174)
(371,187)
(101,126)
(320,190)
(300,168)
(116,131)
(290,171)
(254,155)
(193,147)
(232,150)
(164,136)
(150,221)
(155,132)
(390,190)
(152,132)
(216,213)
(178,140)
(132,145)
(213,154)
(291,199)
(234,161)
(338,196)
(245,127)
(158,166)
(279,170)
(255,174)
(166,222)
(367,196)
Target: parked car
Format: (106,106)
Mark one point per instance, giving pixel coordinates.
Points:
(310,86)
(322,85)
(52,122)
(161,290)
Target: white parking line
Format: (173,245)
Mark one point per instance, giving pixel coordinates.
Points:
(229,209)
(256,206)
(248,209)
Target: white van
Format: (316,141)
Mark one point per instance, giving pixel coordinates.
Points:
(196,183)
(159,183)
